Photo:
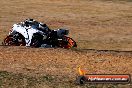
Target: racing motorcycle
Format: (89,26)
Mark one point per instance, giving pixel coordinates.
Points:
(34,34)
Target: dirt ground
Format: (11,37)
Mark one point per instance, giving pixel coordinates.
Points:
(94,24)
(63,64)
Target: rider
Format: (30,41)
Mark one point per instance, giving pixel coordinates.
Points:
(40,26)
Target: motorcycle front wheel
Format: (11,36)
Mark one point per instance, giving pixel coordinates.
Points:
(8,40)
(12,40)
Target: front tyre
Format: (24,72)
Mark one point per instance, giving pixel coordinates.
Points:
(14,40)
(8,40)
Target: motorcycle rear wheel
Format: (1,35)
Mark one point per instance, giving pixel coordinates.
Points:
(67,43)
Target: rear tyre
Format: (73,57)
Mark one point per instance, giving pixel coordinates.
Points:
(67,43)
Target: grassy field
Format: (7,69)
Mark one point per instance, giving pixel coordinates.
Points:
(94,24)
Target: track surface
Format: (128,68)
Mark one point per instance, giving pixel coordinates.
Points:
(62,64)
(62,61)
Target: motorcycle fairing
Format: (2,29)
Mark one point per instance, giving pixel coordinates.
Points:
(27,32)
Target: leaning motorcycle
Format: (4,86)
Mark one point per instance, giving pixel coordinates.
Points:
(23,35)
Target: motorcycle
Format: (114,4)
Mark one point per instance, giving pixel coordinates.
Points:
(23,34)
(59,38)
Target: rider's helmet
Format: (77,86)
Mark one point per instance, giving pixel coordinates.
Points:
(29,22)
(44,27)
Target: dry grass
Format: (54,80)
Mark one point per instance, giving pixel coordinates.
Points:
(58,67)
(94,24)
